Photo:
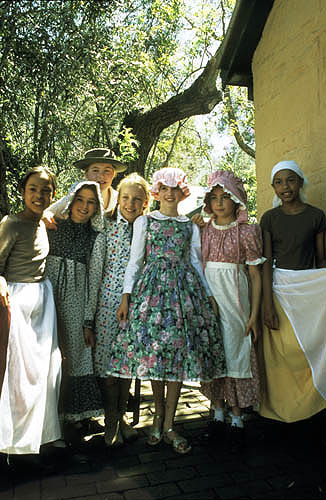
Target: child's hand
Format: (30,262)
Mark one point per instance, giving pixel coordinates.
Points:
(214,306)
(89,337)
(271,318)
(49,221)
(122,312)
(4,292)
(253,328)
(198,219)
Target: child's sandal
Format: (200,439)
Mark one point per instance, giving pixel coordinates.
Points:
(179,444)
(155,434)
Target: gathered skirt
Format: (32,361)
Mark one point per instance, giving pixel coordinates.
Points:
(241,386)
(173,334)
(288,390)
(30,392)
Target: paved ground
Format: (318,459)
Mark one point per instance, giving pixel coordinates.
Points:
(279,461)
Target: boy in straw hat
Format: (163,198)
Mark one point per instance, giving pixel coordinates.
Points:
(99,165)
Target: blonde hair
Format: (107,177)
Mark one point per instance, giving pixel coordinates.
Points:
(135,178)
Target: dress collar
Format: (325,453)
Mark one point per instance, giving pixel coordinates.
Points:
(226,226)
(156,214)
(120,217)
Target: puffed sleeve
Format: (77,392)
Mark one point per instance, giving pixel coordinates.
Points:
(7,240)
(94,279)
(137,254)
(253,243)
(196,257)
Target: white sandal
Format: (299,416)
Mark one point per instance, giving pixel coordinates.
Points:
(179,443)
(155,434)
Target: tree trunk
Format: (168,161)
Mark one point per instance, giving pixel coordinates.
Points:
(199,99)
(4,205)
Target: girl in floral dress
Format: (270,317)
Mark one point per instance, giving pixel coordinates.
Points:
(133,198)
(172,335)
(229,244)
(75,268)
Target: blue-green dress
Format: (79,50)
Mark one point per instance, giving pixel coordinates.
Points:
(172,333)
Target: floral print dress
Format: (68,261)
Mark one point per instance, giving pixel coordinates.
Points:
(227,250)
(172,333)
(75,267)
(118,238)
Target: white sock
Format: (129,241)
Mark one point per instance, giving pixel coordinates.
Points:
(218,414)
(236,421)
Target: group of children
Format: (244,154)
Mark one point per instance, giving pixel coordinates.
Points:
(112,292)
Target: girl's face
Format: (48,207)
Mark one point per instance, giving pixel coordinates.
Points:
(132,200)
(84,206)
(37,195)
(169,198)
(223,207)
(287,184)
(103,173)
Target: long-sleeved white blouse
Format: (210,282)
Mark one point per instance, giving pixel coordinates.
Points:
(137,251)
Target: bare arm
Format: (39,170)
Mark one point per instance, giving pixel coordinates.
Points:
(89,337)
(320,244)
(122,312)
(198,219)
(214,306)
(270,316)
(256,289)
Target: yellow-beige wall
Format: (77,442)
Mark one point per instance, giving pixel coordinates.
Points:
(289,68)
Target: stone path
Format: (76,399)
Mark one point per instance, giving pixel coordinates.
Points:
(280,461)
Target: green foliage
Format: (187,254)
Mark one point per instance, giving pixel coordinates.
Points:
(71,70)
(191,151)
(244,115)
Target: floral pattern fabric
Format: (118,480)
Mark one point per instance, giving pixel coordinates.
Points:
(230,247)
(172,332)
(118,239)
(75,267)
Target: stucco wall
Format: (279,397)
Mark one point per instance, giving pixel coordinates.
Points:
(289,68)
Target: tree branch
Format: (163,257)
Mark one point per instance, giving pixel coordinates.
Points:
(198,99)
(234,125)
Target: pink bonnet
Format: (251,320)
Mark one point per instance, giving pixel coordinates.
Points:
(171,177)
(232,185)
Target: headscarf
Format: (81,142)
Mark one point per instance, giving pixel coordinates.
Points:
(289,165)
(171,177)
(234,187)
(97,220)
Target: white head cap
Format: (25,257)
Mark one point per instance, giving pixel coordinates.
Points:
(289,165)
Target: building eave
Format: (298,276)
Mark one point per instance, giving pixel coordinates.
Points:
(242,37)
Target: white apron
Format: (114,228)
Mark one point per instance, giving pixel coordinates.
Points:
(29,399)
(230,290)
(302,295)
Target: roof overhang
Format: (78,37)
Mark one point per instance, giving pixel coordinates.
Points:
(240,42)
